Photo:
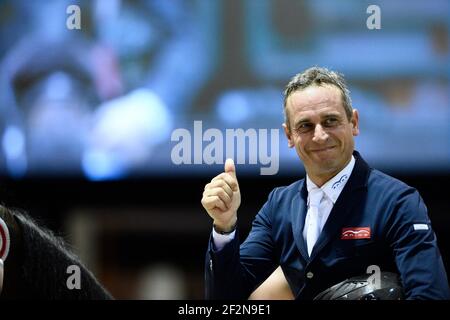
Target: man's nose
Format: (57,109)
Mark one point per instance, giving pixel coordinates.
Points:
(320,135)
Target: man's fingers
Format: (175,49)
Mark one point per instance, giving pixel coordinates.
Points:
(230,180)
(220,183)
(212,202)
(220,193)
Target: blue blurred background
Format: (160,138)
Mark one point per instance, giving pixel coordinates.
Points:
(101,102)
(86,115)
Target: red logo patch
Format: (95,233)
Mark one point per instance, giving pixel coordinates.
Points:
(355,233)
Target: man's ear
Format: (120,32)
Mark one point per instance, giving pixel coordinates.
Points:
(355,122)
(288,134)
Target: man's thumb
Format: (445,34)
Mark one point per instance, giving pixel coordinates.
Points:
(230,168)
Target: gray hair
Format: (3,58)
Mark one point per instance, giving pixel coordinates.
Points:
(319,76)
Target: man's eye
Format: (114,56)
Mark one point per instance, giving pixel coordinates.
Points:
(304,127)
(331,122)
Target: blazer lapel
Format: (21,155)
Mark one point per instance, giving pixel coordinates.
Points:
(298,212)
(352,193)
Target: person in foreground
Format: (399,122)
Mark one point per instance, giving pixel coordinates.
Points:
(338,222)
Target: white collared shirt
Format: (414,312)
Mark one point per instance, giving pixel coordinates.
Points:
(331,189)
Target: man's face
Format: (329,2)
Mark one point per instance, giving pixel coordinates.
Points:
(320,131)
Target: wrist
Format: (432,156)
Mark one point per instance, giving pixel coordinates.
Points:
(225,231)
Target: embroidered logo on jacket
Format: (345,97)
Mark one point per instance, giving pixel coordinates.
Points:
(355,233)
(339,182)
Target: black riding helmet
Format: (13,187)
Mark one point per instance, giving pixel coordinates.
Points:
(363,288)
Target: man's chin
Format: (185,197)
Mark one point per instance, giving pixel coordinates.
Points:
(325,163)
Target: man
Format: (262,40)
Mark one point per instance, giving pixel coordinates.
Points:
(338,222)
(39,265)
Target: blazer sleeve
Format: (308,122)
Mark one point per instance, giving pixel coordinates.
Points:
(415,249)
(235,271)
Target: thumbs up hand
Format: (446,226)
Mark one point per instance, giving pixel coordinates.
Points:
(222,198)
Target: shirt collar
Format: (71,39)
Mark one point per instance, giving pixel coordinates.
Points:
(333,187)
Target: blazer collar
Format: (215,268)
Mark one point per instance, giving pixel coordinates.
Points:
(358,178)
(333,187)
(342,208)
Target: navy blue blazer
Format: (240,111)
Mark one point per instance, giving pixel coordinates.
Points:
(387,210)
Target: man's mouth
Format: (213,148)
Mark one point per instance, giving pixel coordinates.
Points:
(322,149)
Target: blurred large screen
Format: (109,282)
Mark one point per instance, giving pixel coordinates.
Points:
(111,89)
